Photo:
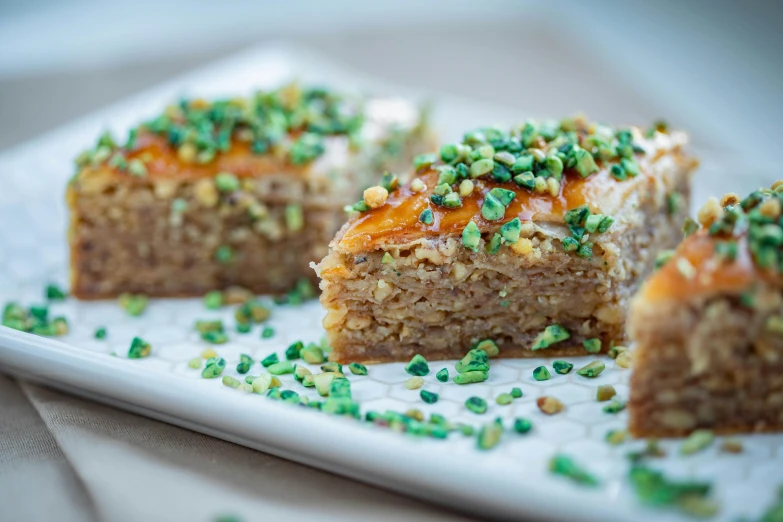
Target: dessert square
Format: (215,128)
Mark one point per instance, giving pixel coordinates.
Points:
(708,325)
(243,191)
(533,239)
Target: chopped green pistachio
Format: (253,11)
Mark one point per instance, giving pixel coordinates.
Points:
(471,377)
(524,163)
(614,407)
(213,300)
(697,441)
(592,345)
(417,366)
(137,168)
(313,355)
(566,467)
(674,202)
(426,217)
(332,367)
(570,244)
(323,383)
(689,226)
(294,350)
(489,435)
(214,368)
(726,250)
(492,209)
(562,367)
(300,372)
(243,328)
(654,489)
(100,333)
(616,437)
(516,392)
(494,244)
(390,181)
(231,382)
(526,180)
(340,388)
(224,254)
(252,311)
(630,166)
(54,292)
(413,383)
(226,182)
(541,374)
(577,216)
(428,396)
(357,369)
(245,362)
(481,167)
(475,360)
(294,217)
(663,257)
(452,200)
(605,392)
(505,196)
(488,346)
(195,363)
(139,349)
(585,164)
(552,334)
(423,160)
(209,326)
(510,231)
(280,368)
(471,236)
(442,375)
(269,360)
(387,258)
(267,333)
(585,251)
(476,405)
(214,337)
(504,399)
(592,369)
(522,425)
(133,304)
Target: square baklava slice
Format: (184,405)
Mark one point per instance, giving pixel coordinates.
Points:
(533,238)
(245,191)
(708,325)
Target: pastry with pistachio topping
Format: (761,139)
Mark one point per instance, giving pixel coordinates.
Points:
(243,191)
(534,238)
(709,325)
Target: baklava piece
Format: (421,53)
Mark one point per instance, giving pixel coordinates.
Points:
(244,191)
(531,240)
(709,325)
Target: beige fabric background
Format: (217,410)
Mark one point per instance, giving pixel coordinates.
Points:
(66,459)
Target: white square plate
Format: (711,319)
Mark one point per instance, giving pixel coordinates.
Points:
(510,481)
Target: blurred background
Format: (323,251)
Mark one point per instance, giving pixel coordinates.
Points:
(710,66)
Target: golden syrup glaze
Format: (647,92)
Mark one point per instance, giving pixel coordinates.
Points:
(162,162)
(711,275)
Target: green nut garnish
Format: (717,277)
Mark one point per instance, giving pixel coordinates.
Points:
(245,362)
(592,370)
(357,369)
(566,467)
(471,236)
(213,300)
(442,375)
(541,373)
(592,345)
(562,367)
(504,399)
(552,334)
(100,333)
(510,231)
(428,397)
(267,333)
(54,293)
(516,392)
(293,352)
(133,304)
(313,355)
(489,347)
(489,435)
(139,349)
(426,217)
(697,441)
(269,360)
(522,425)
(214,368)
(471,377)
(476,405)
(417,366)
(492,209)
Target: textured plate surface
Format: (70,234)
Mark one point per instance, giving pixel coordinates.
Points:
(510,481)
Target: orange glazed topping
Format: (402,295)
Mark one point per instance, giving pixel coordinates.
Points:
(398,220)
(569,172)
(741,244)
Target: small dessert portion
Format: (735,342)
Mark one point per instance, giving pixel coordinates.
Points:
(533,239)
(245,191)
(709,325)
